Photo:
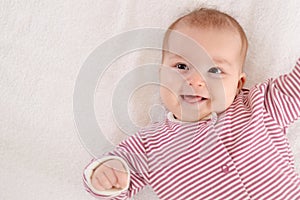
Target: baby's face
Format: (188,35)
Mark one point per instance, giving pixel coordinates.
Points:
(193,91)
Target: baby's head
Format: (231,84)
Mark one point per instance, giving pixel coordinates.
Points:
(193,91)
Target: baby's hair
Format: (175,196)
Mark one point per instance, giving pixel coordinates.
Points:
(212,18)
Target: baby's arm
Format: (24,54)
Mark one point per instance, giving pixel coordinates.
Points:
(110,175)
(103,186)
(120,174)
(282,98)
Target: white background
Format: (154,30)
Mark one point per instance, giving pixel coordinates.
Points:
(43,44)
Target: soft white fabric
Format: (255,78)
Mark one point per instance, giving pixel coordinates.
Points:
(43,45)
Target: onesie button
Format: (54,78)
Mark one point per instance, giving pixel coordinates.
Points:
(214,118)
(225,169)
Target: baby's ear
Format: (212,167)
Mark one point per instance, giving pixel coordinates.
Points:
(241,83)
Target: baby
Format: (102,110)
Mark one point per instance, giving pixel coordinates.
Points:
(219,140)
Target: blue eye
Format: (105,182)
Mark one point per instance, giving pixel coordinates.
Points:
(182,66)
(215,70)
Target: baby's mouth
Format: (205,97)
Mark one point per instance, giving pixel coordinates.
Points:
(193,98)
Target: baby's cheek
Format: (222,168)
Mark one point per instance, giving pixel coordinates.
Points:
(230,95)
(168,97)
(221,99)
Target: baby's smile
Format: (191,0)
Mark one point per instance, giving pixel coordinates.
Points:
(192,99)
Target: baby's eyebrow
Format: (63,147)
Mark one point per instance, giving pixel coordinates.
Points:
(220,60)
(215,59)
(172,55)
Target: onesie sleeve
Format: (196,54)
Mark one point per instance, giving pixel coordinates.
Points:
(282,97)
(88,171)
(132,154)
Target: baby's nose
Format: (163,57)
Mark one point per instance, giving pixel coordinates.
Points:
(195,79)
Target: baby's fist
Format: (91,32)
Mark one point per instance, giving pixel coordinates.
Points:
(110,174)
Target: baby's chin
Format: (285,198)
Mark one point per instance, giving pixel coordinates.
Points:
(191,118)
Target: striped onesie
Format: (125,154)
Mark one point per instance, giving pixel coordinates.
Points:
(242,153)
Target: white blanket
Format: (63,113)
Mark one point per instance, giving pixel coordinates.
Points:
(43,45)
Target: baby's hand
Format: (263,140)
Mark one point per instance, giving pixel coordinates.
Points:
(110,175)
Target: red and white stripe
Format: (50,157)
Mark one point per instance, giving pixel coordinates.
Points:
(244,155)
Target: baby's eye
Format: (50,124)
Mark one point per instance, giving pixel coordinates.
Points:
(182,66)
(215,70)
